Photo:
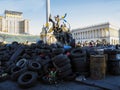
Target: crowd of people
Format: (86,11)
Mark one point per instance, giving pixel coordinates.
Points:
(95,44)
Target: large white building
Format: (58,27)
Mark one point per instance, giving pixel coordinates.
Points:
(105,33)
(12,22)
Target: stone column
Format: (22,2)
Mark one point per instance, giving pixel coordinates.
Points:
(90,34)
(87,34)
(93,33)
(102,32)
(97,33)
(105,33)
(81,35)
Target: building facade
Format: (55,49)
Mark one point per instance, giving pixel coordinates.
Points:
(102,33)
(13,22)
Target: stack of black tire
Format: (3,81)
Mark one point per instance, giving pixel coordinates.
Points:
(63,66)
(26,64)
(57,51)
(80,64)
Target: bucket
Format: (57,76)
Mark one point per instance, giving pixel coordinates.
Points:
(97,67)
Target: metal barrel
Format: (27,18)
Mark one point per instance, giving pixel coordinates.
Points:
(114,67)
(97,67)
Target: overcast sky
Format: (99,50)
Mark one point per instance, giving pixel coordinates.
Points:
(80,13)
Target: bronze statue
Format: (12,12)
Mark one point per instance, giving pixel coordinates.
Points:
(61,31)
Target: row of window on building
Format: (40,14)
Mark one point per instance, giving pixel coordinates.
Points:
(13,22)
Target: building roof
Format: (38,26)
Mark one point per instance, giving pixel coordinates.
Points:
(12,12)
(97,25)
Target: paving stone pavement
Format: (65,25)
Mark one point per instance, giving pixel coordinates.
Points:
(9,85)
(108,83)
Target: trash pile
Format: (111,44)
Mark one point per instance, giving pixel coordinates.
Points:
(49,64)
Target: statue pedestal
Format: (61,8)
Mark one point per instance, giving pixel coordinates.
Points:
(48,38)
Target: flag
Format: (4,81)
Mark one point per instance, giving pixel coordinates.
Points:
(64,15)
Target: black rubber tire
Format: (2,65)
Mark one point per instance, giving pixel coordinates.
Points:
(28,51)
(8,69)
(43,62)
(64,74)
(16,72)
(40,74)
(2,48)
(26,56)
(3,75)
(5,57)
(18,52)
(58,51)
(15,43)
(4,78)
(27,79)
(57,57)
(60,58)
(37,51)
(45,80)
(53,46)
(63,60)
(33,46)
(78,59)
(114,67)
(22,63)
(38,59)
(61,64)
(70,77)
(64,68)
(34,66)
(45,51)
(80,66)
(45,46)
(78,52)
